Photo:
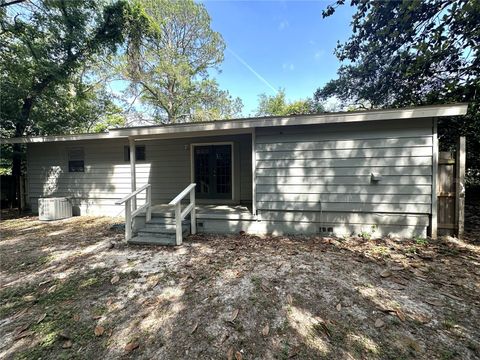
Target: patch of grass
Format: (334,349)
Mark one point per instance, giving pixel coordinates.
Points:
(12,298)
(448,324)
(285,351)
(60,320)
(412,250)
(256,281)
(449,354)
(421,241)
(380,250)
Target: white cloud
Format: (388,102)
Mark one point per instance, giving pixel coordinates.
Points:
(319,54)
(283,25)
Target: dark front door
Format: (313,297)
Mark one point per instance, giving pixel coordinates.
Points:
(213,171)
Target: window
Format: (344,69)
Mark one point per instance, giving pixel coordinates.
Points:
(76,160)
(139,153)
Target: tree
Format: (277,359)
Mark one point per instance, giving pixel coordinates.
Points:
(43,45)
(168,64)
(277,105)
(405,53)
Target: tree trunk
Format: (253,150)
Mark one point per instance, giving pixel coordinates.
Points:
(17,148)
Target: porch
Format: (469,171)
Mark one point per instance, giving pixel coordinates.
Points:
(206,211)
(166,224)
(215,173)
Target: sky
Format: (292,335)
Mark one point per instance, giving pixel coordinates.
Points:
(277,44)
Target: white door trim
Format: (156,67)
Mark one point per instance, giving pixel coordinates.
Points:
(192,160)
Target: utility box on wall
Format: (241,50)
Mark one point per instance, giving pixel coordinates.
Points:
(54,208)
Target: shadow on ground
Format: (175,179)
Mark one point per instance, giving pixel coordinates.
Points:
(72,289)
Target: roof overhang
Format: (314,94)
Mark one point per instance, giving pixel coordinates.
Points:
(246,125)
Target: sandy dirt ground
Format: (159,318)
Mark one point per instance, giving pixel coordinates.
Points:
(73,289)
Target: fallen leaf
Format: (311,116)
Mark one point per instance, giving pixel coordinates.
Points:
(29,298)
(325,329)
(434,302)
(234,315)
(289,299)
(379,323)
(41,318)
(52,289)
(76,317)
(44,282)
(386,273)
(23,328)
(266,330)
(339,307)
(194,328)
(115,279)
(230,354)
(238,355)
(154,284)
(64,335)
(99,330)
(400,314)
(23,334)
(20,313)
(109,302)
(67,344)
(131,346)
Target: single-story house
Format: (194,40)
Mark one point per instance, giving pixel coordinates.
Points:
(333,173)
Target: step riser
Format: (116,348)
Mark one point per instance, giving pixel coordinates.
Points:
(150,240)
(167,221)
(162,231)
(172,227)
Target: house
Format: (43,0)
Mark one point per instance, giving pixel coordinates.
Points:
(337,173)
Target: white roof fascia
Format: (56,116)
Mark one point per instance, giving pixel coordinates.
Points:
(245,125)
(53,138)
(419,112)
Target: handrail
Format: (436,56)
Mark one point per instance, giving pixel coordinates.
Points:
(129,196)
(180,196)
(180,215)
(131,213)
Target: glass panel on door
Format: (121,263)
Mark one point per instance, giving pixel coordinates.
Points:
(213,171)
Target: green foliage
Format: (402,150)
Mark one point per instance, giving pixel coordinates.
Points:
(168,60)
(421,241)
(46,51)
(277,105)
(405,53)
(46,48)
(110,122)
(367,235)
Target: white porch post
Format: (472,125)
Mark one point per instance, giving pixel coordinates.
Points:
(133,179)
(434,219)
(254,179)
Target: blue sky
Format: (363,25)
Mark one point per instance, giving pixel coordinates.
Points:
(286,43)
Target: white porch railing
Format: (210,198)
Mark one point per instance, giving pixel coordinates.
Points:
(131,209)
(180,215)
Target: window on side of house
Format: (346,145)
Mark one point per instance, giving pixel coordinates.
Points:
(139,153)
(76,160)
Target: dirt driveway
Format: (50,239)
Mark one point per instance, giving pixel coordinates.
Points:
(72,289)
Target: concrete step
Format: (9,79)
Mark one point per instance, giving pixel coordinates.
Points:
(153,240)
(173,227)
(161,230)
(165,220)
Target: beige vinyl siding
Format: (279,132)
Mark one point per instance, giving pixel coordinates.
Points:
(107,176)
(320,176)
